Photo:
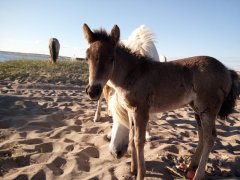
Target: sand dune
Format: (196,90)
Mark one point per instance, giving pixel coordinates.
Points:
(47,132)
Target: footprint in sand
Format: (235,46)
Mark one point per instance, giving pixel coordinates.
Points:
(23,134)
(57,116)
(56,166)
(74,128)
(84,156)
(44,147)
(22,176)
(92,130)
(39,175)
(15,162)
(58,133)
(170,148)
(89,152)
(67,140)
(41,158)
(50,147)
(70,147)
(53,120)
(78,122)
(31,141)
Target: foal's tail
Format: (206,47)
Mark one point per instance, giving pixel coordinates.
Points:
(229,103)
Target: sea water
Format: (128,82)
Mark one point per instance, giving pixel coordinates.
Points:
(7,56)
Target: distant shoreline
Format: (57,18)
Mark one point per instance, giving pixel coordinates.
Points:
(8,55)
(23,53)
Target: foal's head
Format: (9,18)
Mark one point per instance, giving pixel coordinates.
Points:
(100,56)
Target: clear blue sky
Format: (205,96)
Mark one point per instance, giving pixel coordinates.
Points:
(181,27)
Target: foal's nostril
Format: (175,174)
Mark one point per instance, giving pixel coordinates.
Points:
(98,89)
(94,91)
(90,93)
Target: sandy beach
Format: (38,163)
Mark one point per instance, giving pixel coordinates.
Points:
(47,132)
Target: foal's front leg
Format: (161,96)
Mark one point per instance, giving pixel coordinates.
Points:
(140,124)
(132,145)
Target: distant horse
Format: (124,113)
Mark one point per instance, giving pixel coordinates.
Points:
(140,41)
(144,86)
(54,48)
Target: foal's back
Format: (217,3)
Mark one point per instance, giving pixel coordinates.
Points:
(173,84)
(207,73)
(195,71)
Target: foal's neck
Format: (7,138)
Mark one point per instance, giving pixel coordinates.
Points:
(125,63)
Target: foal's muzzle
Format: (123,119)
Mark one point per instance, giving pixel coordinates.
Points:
(94,92)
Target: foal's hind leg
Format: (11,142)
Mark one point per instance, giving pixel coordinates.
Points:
(209,136)
(198,152)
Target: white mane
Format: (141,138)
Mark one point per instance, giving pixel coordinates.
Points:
(142,41)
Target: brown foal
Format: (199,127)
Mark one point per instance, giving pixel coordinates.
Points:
(145,86)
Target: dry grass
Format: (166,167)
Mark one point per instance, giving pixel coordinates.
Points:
(75,71)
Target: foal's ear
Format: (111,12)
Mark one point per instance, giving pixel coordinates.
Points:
(88,34)
(115,34)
